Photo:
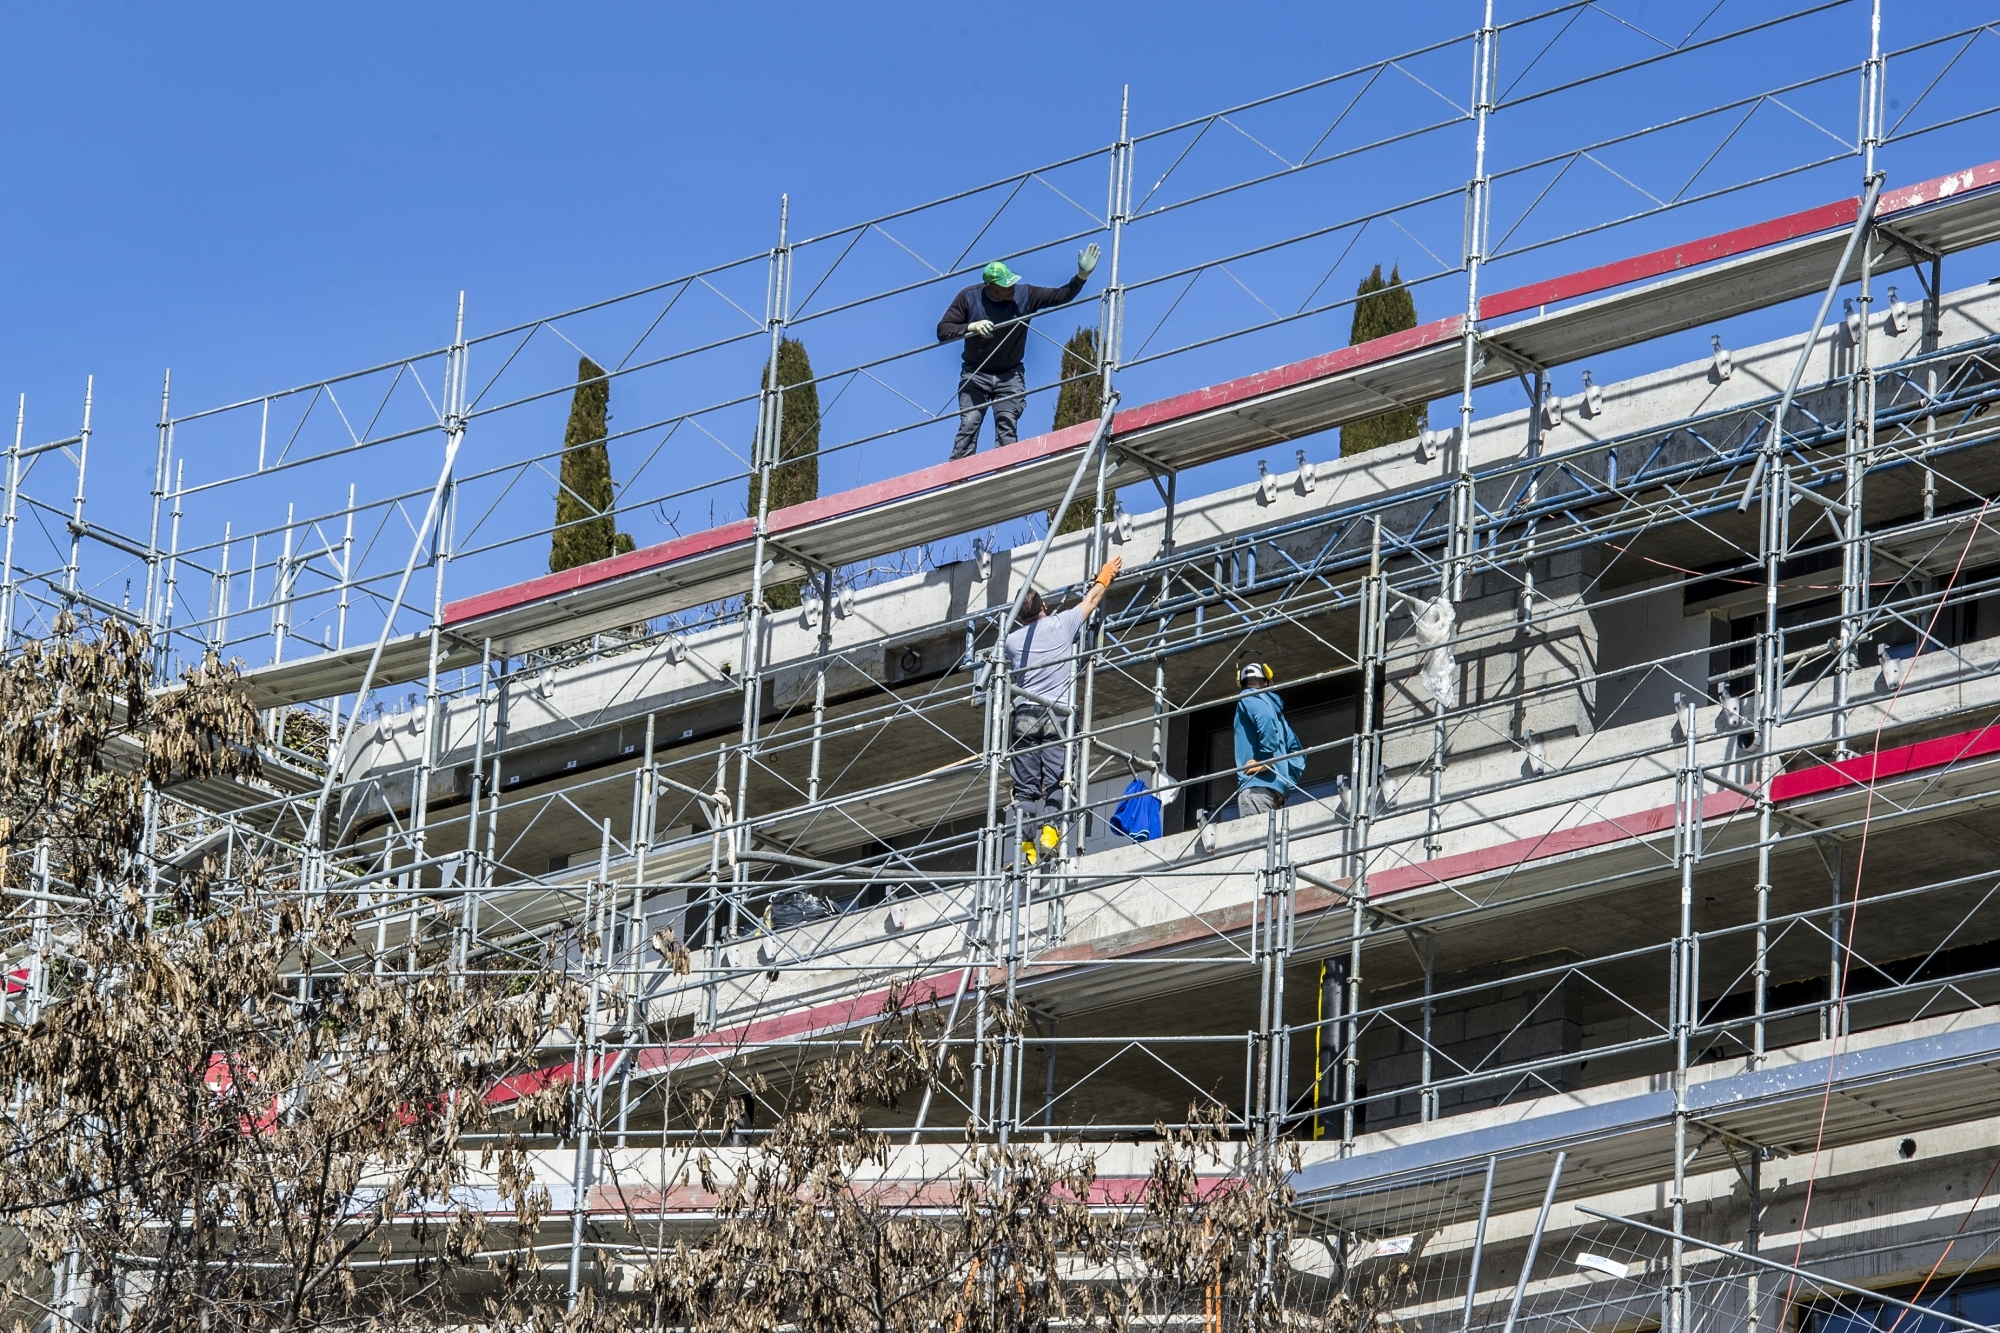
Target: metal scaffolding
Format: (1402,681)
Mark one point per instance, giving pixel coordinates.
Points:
(1514,808)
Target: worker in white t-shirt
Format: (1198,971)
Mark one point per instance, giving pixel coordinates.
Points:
(1042,656)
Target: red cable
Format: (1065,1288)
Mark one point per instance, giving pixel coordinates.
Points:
(1839,997)
(1743,583)
(1919,1294)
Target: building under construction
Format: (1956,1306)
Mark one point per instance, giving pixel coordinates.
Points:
(1628,950)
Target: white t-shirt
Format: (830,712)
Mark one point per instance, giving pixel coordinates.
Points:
(1042,655)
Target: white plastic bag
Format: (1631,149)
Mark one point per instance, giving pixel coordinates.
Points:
(1434,626)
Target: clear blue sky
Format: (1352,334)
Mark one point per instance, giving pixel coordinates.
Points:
(262,195)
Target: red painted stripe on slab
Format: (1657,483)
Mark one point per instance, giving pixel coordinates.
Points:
(598,571)
(1673,259)
(1236,392)
(1728,244)
(814,1020)
(1543,847)
(1864,769)
(1938,188)
(793,517)
(1858,771)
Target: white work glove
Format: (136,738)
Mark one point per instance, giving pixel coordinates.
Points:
(1086,260)
(979,328)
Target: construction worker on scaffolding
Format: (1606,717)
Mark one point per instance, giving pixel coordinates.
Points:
(1041,654)
(1267,749)
(992,317)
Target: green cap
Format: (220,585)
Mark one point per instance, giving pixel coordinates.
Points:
(999,274)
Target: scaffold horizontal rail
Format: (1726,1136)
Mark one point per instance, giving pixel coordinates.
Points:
(1833,1099)
(1713,278)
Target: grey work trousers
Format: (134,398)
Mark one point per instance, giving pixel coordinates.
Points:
(1257,800)
(1036,765)
(1007,391)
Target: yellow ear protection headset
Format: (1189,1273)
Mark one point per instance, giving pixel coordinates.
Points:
(1249,669)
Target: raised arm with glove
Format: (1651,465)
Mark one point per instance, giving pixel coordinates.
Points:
(1100,585)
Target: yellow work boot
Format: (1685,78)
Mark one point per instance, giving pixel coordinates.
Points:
(1027,851)
(1050,839)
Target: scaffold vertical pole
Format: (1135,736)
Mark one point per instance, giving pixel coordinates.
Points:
(763,462)
(1082,725)
(647,793)
(1683,998)
(38,956)
(1116,216)
(1157,751)
(1859,452)
(1007,1101)
(1434,783)
(164,624)
(346,572)
(1933,338)
(501,721)
(584,1085)
(440,541)
(218,636)
(474,874)
(822,651)
(1769,487)
(1426,946)
(1834,1016)
(1535,1244)
(281,599)
(72,567)
(162,451)
(1753,1181)
(1366,785)
(9,517)
(644,798)
(721,849)
(986,890)
(1479,1244)
(1276,902)
(1458,457)
(1277,906)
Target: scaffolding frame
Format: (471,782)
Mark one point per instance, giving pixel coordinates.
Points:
(1335,880)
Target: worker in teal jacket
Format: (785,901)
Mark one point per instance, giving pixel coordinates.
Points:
(1267,749)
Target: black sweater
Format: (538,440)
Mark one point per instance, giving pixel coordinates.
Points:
(1002,349)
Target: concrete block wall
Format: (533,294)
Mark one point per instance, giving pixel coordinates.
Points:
(1497,1021)
(1515,675)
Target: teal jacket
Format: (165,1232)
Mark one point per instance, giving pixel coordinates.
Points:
(1262,733)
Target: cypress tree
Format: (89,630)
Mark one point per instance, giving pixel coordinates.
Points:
(1384,308)
(1081,398)
(795,477)
(586,528)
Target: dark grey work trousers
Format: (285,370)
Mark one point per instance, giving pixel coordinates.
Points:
(1006,392)
(1036,765)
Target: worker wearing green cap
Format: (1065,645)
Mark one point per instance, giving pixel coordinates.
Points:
(992,317)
